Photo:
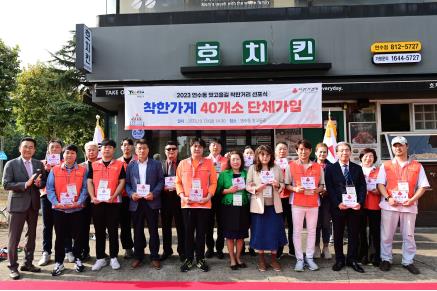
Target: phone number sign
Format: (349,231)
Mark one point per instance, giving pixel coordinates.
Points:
(398,46)
(397,58)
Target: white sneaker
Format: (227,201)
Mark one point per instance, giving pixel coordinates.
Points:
(70,257)
(311,265)
(100,263)
(115,265)
(45,259)
(326,253)
(79,267)
(58,269)
(299,266)
(317,252)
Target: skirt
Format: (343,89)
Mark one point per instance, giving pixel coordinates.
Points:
(267,230)
(235,221)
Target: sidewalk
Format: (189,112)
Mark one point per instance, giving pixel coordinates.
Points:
(426,261)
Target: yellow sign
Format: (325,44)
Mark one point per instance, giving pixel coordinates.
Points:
(396,46)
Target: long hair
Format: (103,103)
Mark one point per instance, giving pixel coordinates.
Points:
(264,149)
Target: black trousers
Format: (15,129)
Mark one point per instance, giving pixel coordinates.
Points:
(143,213)
(215,217)
(286,213)
(324,225)
(370,245)
(106,217)
(195,222)
(171,208)
(125,224)
(350,218)
(86,223)
(67,225)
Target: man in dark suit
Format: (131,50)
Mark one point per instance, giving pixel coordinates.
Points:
(144,183)
(347,190)
(171,204)
(23,177)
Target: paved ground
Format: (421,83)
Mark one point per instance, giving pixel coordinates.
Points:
(426,261)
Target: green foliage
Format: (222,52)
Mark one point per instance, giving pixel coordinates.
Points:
(9,68)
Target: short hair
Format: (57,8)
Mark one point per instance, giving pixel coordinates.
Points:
(281,142)
(55,140)
(369,150)
(268,150)
(172,142)
(305,143)
(241,158)
(70,147)
(198,140)
(215,140)
(248,147)
(129,141)
(108,142)
(141,141)
(321,144)
(91,144)
(342,143)
(28,138)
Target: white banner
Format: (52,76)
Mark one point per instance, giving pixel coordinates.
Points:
(223,107)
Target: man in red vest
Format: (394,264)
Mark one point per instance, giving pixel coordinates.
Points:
(401,183)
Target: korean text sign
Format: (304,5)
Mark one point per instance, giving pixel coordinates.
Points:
(224,107)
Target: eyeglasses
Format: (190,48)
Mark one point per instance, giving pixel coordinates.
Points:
(171,149)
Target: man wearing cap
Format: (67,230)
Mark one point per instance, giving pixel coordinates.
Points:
(401,183)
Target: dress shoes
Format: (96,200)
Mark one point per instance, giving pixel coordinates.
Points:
(357,268)
(338,266)
(30,268)
(220,255)
(165,256)
(135,264)
(156,264)
(209,253)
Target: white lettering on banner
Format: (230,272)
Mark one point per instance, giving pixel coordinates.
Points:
(224,107)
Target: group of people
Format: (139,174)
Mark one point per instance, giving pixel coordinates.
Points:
(250,190)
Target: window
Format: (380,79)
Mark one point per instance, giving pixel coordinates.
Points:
(425,116)
(395,117)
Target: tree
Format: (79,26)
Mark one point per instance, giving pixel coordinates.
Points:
(9,68)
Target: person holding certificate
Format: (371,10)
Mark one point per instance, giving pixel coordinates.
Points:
(401,183)
(346,185)
(371,212)
(171,204)
(264,182)
(106,180)
(67,192)
(196,182)
(231,187)
(305,179)
(144,183)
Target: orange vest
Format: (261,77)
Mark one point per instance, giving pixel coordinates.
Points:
(63,178)
(110,173)
(395,174)
(372,199)
(298,171)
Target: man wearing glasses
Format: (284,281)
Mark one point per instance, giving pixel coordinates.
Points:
(171,204)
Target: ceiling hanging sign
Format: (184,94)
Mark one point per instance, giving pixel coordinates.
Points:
(223,107)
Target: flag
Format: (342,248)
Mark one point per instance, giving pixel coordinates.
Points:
(99,135)
(330,139)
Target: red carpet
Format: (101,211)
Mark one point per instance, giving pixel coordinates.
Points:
(133,285)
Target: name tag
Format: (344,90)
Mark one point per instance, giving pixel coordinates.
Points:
(218,167)
(268,192)
(195,184)
(403,186)
(196,195)
(67,198)
(53,159)
(103,194)
(239,182)
(71,189)
(170,182)
(103,184)
(248,161)
(309,183)
(143,190)
(282,163)
(237,199)
(371,184)
(267,177)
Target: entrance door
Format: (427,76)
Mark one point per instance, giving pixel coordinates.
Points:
(428,202)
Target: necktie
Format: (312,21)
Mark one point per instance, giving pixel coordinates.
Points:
(171,169)
(346,173)
(28,168)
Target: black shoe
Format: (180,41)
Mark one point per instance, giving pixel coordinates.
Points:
(252,252)
(86,257)
(182,257)
(186,266)
(412,269)
(376,263)
(165,256)
(234,267)
(242,265)
(30,268)
(364,261)
(220,255)
(58,269)
(279,253)
(385,266)
(209,253)
(357,268)
(201,264)
(338,266)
